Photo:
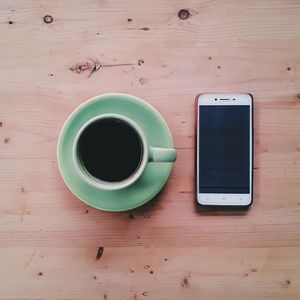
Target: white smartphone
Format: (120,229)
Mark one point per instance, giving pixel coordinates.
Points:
(224,149)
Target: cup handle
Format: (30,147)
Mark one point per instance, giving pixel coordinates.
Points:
(162,154)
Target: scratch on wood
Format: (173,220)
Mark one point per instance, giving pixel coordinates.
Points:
(23,211)
(30,259)
(117,65)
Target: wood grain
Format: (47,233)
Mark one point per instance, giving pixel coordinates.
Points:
(167,249)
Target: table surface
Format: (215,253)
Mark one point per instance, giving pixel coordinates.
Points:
(165,250)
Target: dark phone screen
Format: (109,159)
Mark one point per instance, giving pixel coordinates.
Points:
(224,149)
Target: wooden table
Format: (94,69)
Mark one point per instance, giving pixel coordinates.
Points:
(166,250)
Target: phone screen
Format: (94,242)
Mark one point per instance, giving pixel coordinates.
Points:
(224,149)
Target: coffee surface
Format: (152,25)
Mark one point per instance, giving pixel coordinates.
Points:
(110,150)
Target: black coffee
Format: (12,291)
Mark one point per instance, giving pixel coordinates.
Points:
(110,149)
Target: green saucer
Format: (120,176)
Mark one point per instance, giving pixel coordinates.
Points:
(157,133)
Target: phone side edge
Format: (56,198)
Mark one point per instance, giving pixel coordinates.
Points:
(252,148)
(196,129)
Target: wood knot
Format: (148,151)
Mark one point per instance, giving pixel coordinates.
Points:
(183,14)
(99,253)
(286,284)
(185,281)
(93,65)
(143,80)
(48,19)
(146,215)
(141,61)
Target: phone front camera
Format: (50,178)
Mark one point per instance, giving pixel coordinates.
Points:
(215,99)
